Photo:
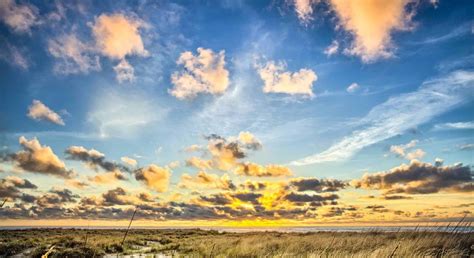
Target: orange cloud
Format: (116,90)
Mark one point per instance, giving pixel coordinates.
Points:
(154,177)
(118,35)
(371,23)
(207,180)
(39,111)
(202,73)
(39,159)
(253,169)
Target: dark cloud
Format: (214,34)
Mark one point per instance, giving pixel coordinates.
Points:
(11,187)
(219,199)
(295,197)
(146,197)
(154,177)
(377,208)
(94,159)
(396,197)
(253,186)
(37,158)
(221,144)
(116,197)
(339,211)
(248,197)
(420,178)
(317,185)
(56,197)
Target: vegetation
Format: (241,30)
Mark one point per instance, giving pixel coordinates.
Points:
(197,243)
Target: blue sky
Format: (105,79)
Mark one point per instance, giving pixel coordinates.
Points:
(412,82)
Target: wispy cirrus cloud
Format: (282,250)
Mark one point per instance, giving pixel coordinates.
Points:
(454,126)
(399,114)
(123,114)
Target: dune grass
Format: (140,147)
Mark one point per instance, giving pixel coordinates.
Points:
(204,243)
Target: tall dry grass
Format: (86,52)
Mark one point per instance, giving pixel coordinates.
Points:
(456,242)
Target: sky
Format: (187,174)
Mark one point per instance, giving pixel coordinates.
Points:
(236,113)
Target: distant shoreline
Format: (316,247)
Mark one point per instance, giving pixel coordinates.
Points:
(300,229)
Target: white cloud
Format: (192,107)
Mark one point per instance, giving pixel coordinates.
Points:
(203,73)
(455,126)
(353,87)
(19,17)
(371,24)
(332,49)
(401,113)
(124,71)
(278,80)
(39,111)
(304,10)
(74,55)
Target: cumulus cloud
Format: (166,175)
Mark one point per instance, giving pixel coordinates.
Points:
(253,186)
(94,159)
(115,36)
(18,17)
(39,111)
(419,178)
(129,161)
(249,140)
(76,183)
(401,150)
(296,197)
(74,56)
(107,177)
(56,197)
(202,73)
(118,196)
(203,179)
(40,159)
(277,80)
(154,177)
(11,186)
(317,185)
(118,35)
(193,148)
(371,24)
(304,10)
(253,169)
(396,197)
(353,87)
(199,163)
(225,152)
(124,71)
(401,113)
